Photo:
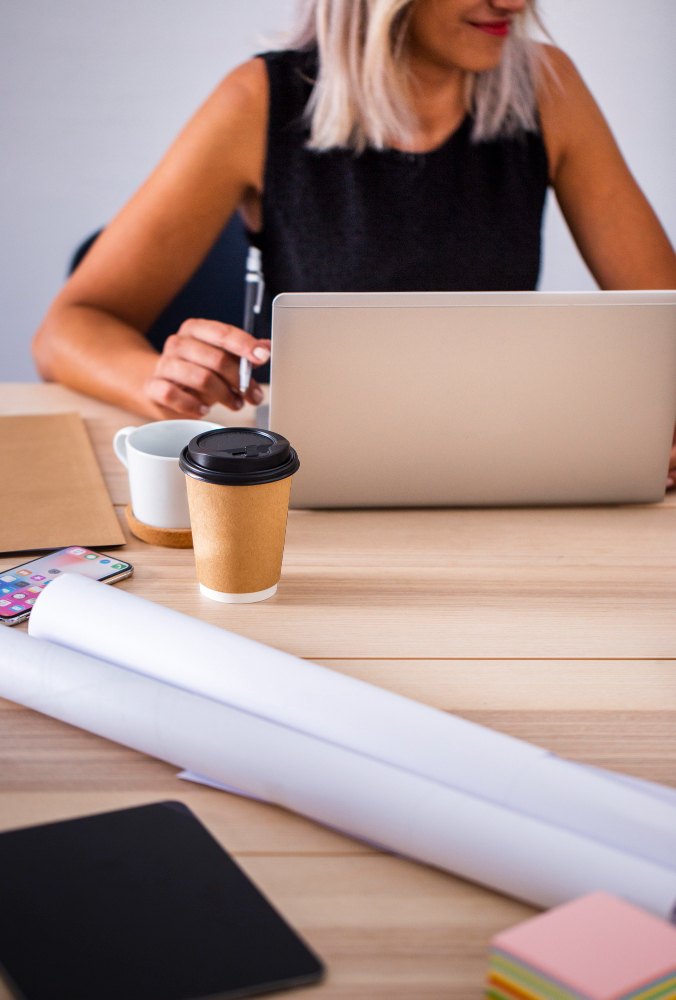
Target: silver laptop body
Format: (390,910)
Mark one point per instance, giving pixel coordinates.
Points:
(475,399)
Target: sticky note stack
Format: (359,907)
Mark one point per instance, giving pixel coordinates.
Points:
(595,948)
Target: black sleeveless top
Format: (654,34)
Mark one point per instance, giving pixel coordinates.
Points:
(464,217)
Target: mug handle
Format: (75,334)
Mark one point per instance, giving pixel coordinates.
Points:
(120,444)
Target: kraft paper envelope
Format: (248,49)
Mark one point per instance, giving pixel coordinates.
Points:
(52,492)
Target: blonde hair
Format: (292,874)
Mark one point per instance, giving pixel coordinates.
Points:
(361,95)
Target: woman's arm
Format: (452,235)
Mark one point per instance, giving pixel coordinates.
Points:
(92,337)
(614,226)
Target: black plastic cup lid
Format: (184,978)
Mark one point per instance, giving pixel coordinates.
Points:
(243,456)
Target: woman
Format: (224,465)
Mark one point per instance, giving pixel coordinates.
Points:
(397,145)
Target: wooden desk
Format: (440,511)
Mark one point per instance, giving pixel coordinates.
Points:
(558,626)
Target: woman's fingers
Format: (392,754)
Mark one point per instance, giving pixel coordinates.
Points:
(209,387)
(172,398)
(183,402)
(671,474)
(254,393)
(199,366)
(227,338)
(212,359)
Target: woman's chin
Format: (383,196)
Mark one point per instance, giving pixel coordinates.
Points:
(475,62)
(482,52)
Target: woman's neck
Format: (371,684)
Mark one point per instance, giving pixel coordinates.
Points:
(437,101)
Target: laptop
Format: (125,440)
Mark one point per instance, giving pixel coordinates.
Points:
(419,399)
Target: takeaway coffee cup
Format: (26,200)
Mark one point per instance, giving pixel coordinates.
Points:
(238,480)
(156,484)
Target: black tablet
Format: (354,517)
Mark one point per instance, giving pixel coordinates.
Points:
(139,904)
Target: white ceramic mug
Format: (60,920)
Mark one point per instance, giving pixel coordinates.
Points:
(157,485)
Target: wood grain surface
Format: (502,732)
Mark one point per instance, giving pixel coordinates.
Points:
(555,625)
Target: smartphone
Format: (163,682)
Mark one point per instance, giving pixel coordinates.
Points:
(21,585)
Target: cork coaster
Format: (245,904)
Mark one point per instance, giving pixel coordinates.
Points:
(172,538)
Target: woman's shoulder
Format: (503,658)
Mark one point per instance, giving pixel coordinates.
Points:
(262,94)
(558,79)
(564,101)
(228,130)
(244,88)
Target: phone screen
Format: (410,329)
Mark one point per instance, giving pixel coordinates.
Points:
(20,586)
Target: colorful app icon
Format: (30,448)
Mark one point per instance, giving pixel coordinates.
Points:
(104,561)
(36,576)
(31,600)
(90,555)
(8,579)
(23,572)
(18,597)
(6,590)
(117,566)
(17,607)
(76,552)
(3,604)
(35,590)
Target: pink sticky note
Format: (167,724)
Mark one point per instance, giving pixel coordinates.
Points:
(598,945)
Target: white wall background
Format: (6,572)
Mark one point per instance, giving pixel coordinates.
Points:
(93,92)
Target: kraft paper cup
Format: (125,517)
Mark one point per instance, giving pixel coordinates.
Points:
(238,482)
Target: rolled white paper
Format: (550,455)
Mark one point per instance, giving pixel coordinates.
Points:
(375,801)
(664,792)
(134,633)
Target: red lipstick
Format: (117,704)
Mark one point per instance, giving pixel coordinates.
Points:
(500,28)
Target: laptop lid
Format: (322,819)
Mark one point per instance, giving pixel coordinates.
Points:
(480,399)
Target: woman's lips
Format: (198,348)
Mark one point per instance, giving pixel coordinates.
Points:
(492,27)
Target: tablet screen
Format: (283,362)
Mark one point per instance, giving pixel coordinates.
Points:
(142,904)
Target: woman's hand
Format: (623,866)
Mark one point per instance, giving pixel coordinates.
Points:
(199,366)
(671,474)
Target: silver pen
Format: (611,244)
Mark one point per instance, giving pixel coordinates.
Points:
(254,286)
